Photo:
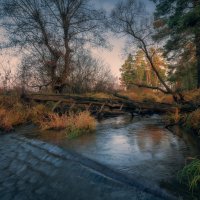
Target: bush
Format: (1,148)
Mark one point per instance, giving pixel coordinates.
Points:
(193,121)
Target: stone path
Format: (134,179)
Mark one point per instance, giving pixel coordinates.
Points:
(34,170)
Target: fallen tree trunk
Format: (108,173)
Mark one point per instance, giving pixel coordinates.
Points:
(115,103)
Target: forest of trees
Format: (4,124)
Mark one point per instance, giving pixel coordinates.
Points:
(137,70)
(54,38)
(177,23)
(175,30)
(54,43)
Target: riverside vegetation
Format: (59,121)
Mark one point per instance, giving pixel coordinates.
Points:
(190,174)
(14,113)
(164,47)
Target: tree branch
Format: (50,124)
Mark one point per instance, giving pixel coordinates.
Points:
(151,87)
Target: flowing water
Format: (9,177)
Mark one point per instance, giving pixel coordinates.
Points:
(140,148)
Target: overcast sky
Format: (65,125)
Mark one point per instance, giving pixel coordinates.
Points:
(115,58)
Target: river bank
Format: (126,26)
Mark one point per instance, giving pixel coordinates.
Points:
(140,148)
(32,169)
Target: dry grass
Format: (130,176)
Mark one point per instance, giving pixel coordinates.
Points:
(140,94)
(9,101)
(75,124)
(174,117)
(100,95)
(166,98)
(83,120)
(53,121)
(193,120)
(144,95)
(192,95)
(38,112)
(13,115)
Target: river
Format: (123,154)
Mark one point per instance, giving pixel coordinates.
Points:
(140,148)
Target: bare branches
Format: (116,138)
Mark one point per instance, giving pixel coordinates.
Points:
(53,30)
(126,19)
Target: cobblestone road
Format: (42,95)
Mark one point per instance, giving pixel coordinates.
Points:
(35,170)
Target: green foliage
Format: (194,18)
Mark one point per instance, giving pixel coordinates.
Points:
(180,28)
(137,69)
(128,73)
(190,175)
(73,132)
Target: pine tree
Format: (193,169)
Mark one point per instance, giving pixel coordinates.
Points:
(137,70)
(179,19)
(128,73)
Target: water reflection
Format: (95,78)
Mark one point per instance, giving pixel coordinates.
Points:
(141,147)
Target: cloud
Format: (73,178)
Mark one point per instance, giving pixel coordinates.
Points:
(114,57)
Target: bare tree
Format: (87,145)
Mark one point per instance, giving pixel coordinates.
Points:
(53,30)
(8,78)
(88,74)
(129,18)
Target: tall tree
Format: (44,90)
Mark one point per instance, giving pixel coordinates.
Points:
(128,72)
(126,19)
(53,30)
(178,22)
(137,70)
(183,73)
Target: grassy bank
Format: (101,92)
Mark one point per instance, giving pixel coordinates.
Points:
(14,112)
(190,175)
(147,95)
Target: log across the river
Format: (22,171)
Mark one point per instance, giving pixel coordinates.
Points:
(115,104)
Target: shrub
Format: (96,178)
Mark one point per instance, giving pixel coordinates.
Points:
(193,120)
(190,174)
(75,124)
(12,117)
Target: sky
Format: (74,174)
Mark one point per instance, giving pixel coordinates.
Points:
(114,58)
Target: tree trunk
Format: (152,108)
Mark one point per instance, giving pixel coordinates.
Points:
(197,43)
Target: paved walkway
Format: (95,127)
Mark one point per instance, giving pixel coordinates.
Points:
(34,170)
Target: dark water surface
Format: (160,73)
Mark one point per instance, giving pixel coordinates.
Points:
(141,148)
